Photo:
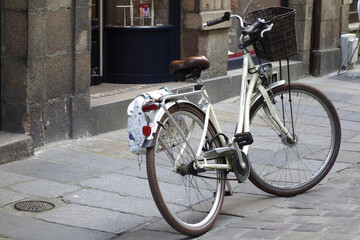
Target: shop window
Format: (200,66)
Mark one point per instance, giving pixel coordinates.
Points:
(353,14)
(137,12)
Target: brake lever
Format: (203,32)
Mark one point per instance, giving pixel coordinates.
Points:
(241,21)
(268,28)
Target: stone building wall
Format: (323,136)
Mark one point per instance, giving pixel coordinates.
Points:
(209,41)
(304,12)
(46,68)
(344,15)
(329,37)
(323,20)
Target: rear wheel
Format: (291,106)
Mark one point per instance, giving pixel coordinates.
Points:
(189,201)
(285,168)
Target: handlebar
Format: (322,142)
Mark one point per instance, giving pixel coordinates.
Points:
(256,25)
(224,18)
(268,28)
(246,30)
(251,28)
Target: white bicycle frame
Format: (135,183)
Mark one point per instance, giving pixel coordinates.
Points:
(251,90)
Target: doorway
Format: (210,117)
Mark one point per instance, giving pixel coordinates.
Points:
(133,41)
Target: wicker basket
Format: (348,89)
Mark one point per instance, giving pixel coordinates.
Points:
(280,42)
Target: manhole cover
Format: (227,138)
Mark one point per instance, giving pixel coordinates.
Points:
(34,206)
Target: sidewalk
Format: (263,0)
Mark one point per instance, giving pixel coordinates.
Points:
(100,190)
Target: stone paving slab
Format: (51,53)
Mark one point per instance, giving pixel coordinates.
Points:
(245,204)
(93,218)
(7,178)
(17,227)
(44,188)
(150,235)
(122,184)
(114,202)
(64,173)
(8,197)
(86,159)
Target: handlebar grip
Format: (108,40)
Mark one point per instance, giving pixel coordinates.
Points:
(224,18)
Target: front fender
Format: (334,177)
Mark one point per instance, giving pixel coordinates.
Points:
(271,86)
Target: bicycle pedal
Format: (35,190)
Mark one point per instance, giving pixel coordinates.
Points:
(244,139)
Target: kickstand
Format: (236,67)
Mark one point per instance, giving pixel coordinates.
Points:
(230,191)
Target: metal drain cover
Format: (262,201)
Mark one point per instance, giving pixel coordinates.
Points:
(34,206)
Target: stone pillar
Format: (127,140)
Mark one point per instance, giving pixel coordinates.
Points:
(46,87)
(318,37)
(325,55)
(210,41)
(344,15)
(82,68)
(304,10)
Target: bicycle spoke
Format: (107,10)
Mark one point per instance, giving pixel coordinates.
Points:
(299,165)
(192,192)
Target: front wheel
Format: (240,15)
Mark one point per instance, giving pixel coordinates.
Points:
(286,168)
(190,201)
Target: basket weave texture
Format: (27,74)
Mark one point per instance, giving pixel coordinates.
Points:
(280,42)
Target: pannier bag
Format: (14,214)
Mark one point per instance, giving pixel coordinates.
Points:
(137,119)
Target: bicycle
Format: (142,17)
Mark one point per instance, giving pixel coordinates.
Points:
(293,129)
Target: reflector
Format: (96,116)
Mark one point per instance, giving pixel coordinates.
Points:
(149,107)
(146,130)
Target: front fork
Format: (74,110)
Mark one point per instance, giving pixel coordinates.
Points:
(272,115)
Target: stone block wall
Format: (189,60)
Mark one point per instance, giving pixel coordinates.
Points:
(326,56)
(323,20)
(344,15)
(211,42)
(304,12)
(330,24)
(46,68)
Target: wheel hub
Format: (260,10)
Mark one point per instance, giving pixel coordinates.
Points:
(288,142)
(186,169)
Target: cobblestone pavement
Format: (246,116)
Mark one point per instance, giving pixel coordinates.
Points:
(100,192)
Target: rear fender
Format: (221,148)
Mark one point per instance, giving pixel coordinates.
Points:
(150,140)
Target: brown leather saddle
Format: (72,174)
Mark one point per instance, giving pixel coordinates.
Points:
(191,67)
